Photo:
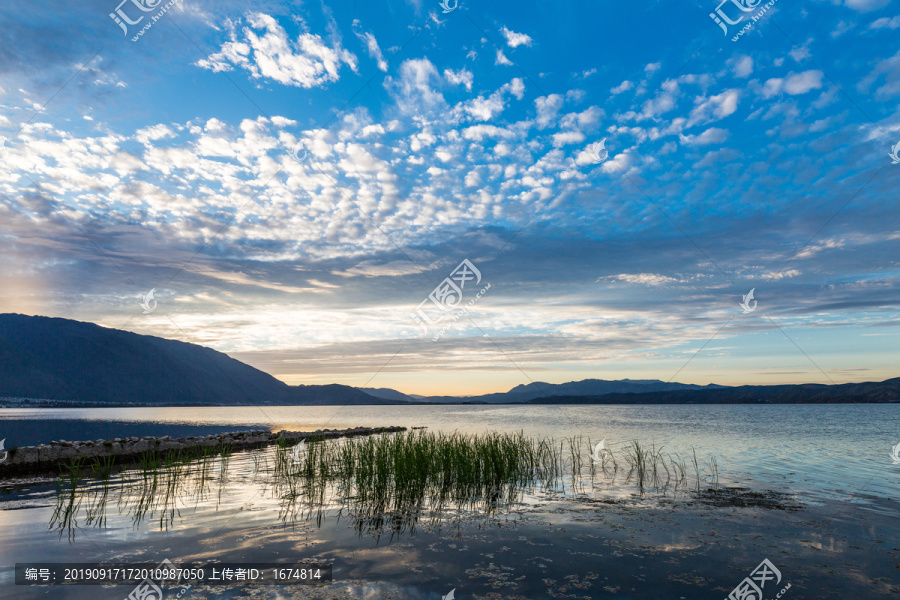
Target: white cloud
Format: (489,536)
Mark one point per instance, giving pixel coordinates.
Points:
(371,45)
(619,163)
(517,87)
(714,108)
(563,138)
(795,84)
(547,109)
(803,82)
(866,5)
(776,275)
(514,40)
(712,135)
(890,69)
(645,278)
(622,87)
(663,102)
(306,63)
(886,23)
(501,59)
(478,132)
(586,118)
(462,76)
(153,133)
(841,28)
(484,109)
(741,66)
(416,88)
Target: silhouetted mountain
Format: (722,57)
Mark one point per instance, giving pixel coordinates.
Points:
(806,393)
(334,393)
(389,394)
(586,387)
(60,359)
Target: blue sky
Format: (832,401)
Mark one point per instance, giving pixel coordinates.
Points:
(429,138)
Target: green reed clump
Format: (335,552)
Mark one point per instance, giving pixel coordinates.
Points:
(380,481)
(68,500)
(415,470)
(651,468)
(713,465)
(102,467)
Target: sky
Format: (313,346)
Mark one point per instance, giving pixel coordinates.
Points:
(460,198)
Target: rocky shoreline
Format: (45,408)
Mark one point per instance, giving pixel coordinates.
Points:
(47,458)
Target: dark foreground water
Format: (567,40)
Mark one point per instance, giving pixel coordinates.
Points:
(830,525)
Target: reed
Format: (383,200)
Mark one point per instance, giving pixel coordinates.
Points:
(102,467)
(382,482)
(713,466)
(696,467)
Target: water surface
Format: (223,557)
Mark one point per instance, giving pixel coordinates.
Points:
(601,540)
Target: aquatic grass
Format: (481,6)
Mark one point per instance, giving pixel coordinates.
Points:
(679,469)
(637,458)
(71,469)
(401,476)
(387,481)
(713,466)
(102,467)
(696,467)
(68,500)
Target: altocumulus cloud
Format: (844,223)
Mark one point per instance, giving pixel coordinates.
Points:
(264,49)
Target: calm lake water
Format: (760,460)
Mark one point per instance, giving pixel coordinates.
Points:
(824,451)
(603,540)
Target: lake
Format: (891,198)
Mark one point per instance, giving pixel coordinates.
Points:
(830,523)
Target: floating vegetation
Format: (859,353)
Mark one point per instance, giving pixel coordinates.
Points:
(384,482)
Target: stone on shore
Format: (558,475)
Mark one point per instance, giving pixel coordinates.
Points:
(48,457)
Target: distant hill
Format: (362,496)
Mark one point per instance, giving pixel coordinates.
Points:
(806,393)
(389,394)
(61,359)
(586,387)
(334,393)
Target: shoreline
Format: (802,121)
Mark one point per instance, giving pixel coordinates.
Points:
(551,401)
(47,458)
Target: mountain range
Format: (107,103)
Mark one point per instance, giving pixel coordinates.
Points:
(537,390)
(66,360)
